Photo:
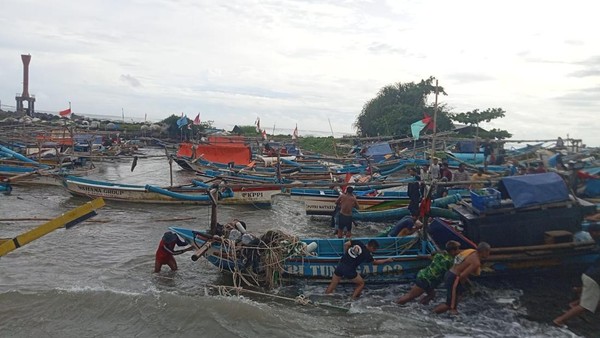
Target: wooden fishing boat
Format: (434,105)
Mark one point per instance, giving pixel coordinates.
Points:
(260,196)
(409,254)
(535,228)
(322,202)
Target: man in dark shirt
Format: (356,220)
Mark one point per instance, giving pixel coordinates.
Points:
(355,253)
(590,293)
(408,225)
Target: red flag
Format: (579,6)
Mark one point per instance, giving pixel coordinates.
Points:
(428,121)
(65,113)
(197,119)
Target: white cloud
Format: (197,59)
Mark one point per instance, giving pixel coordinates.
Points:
(306,61)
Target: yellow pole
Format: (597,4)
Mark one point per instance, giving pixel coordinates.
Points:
(68,218)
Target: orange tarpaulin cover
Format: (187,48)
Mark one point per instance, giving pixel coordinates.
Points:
(238,153)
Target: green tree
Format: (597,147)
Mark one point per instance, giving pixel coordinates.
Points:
(476,117)
(397,106)
(175,132)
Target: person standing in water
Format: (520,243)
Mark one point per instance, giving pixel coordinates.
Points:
(466,263)
(346,202)
(166,251)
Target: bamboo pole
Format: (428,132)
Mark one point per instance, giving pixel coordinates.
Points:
(334,146)
(435,111)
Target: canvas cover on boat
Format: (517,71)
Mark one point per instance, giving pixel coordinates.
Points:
(535,189)
(225,152)
(378,151)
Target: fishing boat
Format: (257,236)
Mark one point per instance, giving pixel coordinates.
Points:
(189,194)
(322,202)
(531,222)
(312,259)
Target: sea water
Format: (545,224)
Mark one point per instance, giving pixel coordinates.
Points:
(96,279)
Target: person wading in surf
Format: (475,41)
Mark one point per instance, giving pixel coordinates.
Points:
(346,201)
(431,276)
(355,253)
(466,263)
(166,251)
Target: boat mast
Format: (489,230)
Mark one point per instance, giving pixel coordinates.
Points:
(435,110)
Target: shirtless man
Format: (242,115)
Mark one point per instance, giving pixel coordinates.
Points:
(346,201)
(466,263)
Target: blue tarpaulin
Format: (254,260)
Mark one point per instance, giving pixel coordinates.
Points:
(535,189)
(378,151)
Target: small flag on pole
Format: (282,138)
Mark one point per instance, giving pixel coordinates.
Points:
(416,127)
(257,123)
(65,113)
(197,119)
(182,121)
(295,133)
(264,135)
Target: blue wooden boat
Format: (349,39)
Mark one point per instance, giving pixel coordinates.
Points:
(530,223)
(190,194)
(409,254)
(562,257)
(439,208)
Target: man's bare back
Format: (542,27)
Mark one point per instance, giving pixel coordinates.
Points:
(346,202)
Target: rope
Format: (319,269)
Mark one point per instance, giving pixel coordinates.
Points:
(226,291)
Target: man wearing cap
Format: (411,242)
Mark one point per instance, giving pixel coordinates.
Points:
(590,292)
(355,253)
(346,202)
(431,276)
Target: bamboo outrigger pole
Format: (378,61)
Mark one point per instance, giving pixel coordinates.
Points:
(435,109)
(333,136)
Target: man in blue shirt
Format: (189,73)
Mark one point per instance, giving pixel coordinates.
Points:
(355,253)
(408,225)
(590,292)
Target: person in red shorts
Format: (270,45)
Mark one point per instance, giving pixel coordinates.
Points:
(166,251)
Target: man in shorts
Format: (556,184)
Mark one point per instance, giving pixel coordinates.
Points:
(346,201)
(590,293)
(431,276)
(355,254)
(166,251)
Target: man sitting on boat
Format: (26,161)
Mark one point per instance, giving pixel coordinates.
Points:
(590,293)
(355,253)
(406,226)
(466,263)
(166,251)
(431,276)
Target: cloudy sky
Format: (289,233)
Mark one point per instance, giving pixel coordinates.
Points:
(305,62)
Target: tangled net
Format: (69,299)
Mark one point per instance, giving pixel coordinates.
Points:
(260,263)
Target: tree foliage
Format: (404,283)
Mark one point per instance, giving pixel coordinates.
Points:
(177,133)
(397,106)
(476,117)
